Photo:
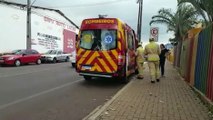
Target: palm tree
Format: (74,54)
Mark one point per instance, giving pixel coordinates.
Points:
(179,22)
(203,7)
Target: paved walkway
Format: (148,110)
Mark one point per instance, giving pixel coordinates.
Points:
(169,99)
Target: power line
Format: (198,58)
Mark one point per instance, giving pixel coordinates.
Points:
(33,2)
(90,5)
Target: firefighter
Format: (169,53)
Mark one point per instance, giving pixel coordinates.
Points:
(140,60)
(152,50)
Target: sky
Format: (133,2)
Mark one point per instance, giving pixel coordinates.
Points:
(126,10)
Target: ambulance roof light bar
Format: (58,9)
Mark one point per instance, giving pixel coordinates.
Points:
(102,16)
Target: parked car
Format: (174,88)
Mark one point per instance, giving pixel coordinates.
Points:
(55,56)
(22,56)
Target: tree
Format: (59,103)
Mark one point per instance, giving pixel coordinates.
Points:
(203,7)
(179,22)
(173,41)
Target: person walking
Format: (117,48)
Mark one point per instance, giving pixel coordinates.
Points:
(140,60)
(152,50)
(163,54)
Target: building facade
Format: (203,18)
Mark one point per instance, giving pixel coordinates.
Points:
(50,28)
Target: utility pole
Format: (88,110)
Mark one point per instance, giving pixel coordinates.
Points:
(139,26)
(28,24)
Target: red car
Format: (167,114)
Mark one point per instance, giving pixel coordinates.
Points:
(19,57)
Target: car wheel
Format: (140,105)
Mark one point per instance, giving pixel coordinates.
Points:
(54,60)
(124,79)
(17,63)
(67,59)
(73,65)
(38,61)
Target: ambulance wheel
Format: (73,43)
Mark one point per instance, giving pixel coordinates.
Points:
(87,78)
(124,79)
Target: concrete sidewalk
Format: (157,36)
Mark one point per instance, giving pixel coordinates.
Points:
(169,99)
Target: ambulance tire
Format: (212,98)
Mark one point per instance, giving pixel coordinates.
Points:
(125,78)
(87,78)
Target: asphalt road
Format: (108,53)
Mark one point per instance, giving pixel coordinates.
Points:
(50,92)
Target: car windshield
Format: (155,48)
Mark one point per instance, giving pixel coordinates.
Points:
(17,52)
(51,52)
(101,39)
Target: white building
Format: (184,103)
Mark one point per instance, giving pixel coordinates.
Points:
(50,29)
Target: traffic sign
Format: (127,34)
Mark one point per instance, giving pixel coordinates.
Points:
(154,33)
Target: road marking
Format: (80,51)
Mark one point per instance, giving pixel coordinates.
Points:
(36,95)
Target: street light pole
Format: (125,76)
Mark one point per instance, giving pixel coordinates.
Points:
(28,24)
(139,26)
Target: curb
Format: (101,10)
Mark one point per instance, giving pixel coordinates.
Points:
(204,99)
(98,110)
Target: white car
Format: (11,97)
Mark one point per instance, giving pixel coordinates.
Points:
(55,56)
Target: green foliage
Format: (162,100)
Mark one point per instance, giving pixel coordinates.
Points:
(173,41)
(203,7)
(179,22)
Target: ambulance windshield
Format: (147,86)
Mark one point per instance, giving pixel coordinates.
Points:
(100,39)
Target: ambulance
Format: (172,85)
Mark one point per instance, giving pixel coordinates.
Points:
(106,47)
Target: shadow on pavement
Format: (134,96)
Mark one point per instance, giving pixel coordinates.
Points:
(102,83)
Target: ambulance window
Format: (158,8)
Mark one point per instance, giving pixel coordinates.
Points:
(108,39)
(133,40)
(99,39)
(87,39)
